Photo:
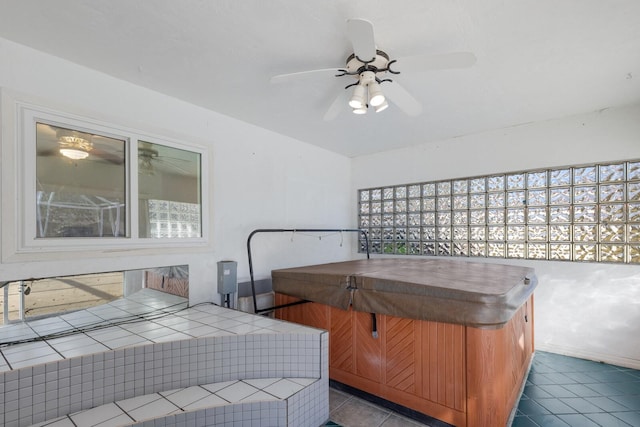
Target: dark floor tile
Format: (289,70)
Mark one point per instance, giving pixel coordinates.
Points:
(581,377)
(535,392)
(541,379)
(607,420)
(604,389)
(628,387)
(578,420)
(606,404)
(631,418)
(581,405)
(630,401)
(531,407)
(557,390)
(611,376)
(523,421)
(581,390)
(548,421)
(556,406)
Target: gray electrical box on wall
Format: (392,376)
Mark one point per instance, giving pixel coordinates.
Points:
(227,277)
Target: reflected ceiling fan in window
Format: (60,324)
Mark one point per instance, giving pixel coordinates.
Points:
(375,84)
(152,156)
(75,145)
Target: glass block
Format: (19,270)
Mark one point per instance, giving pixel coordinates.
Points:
(428,218)
(364,221)
(388,248)
(413,234)
(400,234)
(364,208)
(376,207)
(460,202)
(387,234)
(375,233)
(429,204)
(414,205)
(428,233)
(633,191)
(375,247)
(444,218)
(413,191)
(401,192)
(611,233)
(585,194)
(560,251)
(613,172)
(612,193)
(413,248)
(633,212)
(364,195)
(387,207)
(460,186)
(387,220)
(444,248)
(560,196)
(585,252)
(495,233)
(515,181)
(559,233)
(478,249)
(495,216)
(460,217)
(515,232)
(413,220)
(477,216)
(477,185)
(559,177)
(443,233)
(477,233)
(460,249)
(495,250)
(585,175)
(376,220)
(537,179)
(611,253)
(515,250)
(428,190)
(387,193)
(633,234)
(496,200)
(516,198)
(376,194)
(537,198)
(537,216)
(495,183)
(515,216)
(401,205)
(537,251)
(400,220)
(477,201)
(633,171)
(363,246)
(429,248)
(612,212)
(460,233)
(584,213)
(444,188)
(585,233)
(444,203)
(559,214)
(634,254)
(401,248)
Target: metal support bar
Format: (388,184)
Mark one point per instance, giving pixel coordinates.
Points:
(289,230)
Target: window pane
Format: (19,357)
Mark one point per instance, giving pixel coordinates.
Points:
(80,184)
(169,181)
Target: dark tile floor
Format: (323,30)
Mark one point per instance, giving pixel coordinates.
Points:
(560,391)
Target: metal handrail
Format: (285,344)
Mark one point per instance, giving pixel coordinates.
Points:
(294,230)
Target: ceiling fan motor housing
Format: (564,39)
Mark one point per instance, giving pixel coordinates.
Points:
(356,66)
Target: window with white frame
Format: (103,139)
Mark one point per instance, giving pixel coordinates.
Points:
(575,213)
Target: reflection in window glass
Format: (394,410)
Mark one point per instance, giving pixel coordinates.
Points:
(80,184)
(169,192)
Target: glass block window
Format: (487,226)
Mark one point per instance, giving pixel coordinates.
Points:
(169,219)
(585,213)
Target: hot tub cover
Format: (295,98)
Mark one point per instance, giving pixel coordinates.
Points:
(469,293)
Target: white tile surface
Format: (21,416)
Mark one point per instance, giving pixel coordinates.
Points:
(97,416)
(187,396)
(236,392)
(283,388)
(207,402)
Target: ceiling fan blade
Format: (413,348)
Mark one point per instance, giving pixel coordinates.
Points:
(402,99)
(336,106)
(425,62)
(281,78)
(360,32)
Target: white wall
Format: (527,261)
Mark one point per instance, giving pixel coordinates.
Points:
(586,310)
(258,179)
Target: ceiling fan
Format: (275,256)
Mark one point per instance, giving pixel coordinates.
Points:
(76,145)
(373,72)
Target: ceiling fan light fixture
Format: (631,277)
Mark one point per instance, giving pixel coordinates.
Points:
(376,97)
(382,106)
(359,98)
(74,154)
(361,110)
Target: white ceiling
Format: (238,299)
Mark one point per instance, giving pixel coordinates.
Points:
(536,59)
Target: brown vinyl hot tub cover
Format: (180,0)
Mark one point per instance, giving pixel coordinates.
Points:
(469,293)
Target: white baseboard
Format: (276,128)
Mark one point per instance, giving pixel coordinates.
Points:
(611,359)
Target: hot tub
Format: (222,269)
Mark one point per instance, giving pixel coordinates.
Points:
(450,339)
